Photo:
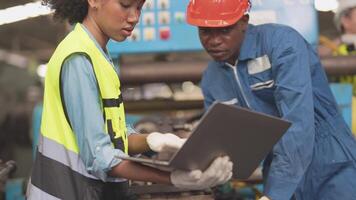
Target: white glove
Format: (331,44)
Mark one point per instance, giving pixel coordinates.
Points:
(219,172)
(264,198)
(168,142)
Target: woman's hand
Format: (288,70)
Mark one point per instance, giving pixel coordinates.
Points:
(167,142)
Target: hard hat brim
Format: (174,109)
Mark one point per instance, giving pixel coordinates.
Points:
(212,23)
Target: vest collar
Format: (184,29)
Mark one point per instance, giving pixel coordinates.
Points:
(107,56)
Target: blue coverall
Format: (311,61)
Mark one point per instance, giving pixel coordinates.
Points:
(277,72)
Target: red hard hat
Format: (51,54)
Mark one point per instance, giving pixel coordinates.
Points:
(216,13)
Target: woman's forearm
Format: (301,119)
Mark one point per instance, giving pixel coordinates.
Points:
(134,171)
(138,144)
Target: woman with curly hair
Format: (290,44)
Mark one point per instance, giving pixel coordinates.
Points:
(83,130)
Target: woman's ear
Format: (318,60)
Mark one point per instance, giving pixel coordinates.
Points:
(94,4)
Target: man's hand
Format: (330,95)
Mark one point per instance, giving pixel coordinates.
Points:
(168,142)
(219,172)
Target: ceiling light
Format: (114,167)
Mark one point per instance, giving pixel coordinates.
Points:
(14,59)
(42,70)
(326,5)
(22,12)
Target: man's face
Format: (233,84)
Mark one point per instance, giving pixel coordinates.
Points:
(223,44)
(349,22)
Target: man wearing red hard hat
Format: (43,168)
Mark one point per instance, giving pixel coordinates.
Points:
(270,68)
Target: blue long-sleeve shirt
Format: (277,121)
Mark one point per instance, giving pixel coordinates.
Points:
(82,102)
(279,73)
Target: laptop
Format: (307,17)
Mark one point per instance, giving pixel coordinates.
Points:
(245,136)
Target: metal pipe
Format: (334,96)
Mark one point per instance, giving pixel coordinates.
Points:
(174,72)
(170,72)
(339,65)
(162,105)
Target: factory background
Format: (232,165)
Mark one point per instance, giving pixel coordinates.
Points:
(160,64)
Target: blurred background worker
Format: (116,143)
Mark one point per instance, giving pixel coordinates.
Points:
(343,45)
(345,21)
(270,68)
(83,128)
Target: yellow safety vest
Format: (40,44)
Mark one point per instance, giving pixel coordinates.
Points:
(58,170)
(344,51)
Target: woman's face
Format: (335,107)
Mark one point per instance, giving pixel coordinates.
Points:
(349,22)
(118,18)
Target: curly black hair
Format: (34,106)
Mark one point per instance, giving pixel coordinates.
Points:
(73,10)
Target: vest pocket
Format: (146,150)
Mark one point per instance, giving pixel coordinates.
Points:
(262,84)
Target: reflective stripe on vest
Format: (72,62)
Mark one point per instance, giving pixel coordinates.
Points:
(57,152)
(36,193)
(59,180)
(55,170)
(58,169)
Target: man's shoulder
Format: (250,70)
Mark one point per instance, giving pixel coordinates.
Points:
(272,28)
(271,34)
